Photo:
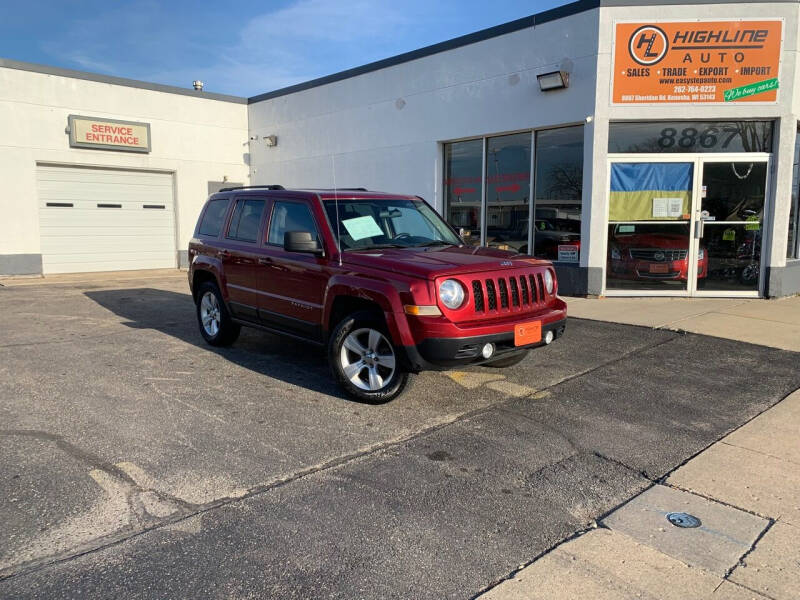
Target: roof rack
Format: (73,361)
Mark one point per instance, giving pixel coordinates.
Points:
(356,189)
(250,187)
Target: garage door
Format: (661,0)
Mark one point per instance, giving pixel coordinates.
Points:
(105,220)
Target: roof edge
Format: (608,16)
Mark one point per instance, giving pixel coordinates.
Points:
(113,80)
(546,16)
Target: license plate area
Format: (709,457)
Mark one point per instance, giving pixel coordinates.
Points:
(659,268)
(527,333)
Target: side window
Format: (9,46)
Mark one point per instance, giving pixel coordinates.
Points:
(212,218)
(290,216)
(245,220)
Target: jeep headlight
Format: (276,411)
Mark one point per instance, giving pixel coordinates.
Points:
(451,293)
(548,282)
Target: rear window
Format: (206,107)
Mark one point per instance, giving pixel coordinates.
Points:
(211,223)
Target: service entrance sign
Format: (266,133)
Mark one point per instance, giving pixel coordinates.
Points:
(697,61)
(108,134)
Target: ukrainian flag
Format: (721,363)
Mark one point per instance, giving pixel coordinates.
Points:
(635,185)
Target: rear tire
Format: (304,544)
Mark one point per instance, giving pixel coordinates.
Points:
(507,361)
(363,360)
(215,323)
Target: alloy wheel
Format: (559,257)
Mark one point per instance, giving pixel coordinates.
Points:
(209,313)
(367,359)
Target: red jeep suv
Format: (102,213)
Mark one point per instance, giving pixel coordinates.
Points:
(380,279)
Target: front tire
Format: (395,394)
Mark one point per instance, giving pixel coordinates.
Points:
(216,325)
(507,361)
(364,361)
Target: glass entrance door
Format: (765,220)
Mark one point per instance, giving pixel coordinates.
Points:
(649,228)
(728,228)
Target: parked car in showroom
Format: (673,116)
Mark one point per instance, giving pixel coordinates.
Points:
(653,251)
(380,280)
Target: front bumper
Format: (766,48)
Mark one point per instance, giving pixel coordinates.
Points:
(437,354)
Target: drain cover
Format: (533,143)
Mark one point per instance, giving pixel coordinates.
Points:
(680,519)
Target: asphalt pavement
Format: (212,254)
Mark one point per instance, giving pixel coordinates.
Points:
(137,461)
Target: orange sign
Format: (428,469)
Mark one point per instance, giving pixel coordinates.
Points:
(696,61)
(527,333)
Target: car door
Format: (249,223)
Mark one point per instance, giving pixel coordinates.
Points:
(239,252)
(292,284)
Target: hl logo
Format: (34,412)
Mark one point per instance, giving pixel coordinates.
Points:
(648,45)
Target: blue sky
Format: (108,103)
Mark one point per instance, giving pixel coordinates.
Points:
(242,48)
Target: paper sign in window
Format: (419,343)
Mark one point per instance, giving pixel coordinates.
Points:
(666,208)
(362,227)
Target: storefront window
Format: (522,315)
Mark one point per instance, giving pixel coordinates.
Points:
(462,188)
(690,136)
(793,244)
(559,185)
(508,174)
(648,226)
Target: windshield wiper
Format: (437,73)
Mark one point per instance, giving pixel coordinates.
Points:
(433,243)
(379,246)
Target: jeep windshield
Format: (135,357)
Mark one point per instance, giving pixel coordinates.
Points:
(392,223)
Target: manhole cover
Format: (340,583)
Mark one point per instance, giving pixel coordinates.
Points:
(680,519)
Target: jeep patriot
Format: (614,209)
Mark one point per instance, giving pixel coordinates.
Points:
(379,279)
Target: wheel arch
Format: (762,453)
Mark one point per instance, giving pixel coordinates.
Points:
(201,276)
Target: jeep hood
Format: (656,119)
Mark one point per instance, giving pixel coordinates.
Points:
(432,262)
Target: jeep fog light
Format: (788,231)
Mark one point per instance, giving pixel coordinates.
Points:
(548,282)
(487,350)
(548,337)
(451,293)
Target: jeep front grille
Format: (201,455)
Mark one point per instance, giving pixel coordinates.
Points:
(526,292)
(477,294)
(491,295)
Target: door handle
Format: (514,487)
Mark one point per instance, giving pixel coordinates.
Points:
(700,230)
(264,261)
(223,253)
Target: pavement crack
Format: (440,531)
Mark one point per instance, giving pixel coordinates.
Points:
(642,473)
(712,499)
(74,451)
(743,558)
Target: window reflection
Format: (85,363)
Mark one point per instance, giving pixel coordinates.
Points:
(559,188)
(690,136)
(508,165)
(462,188)
(650,256)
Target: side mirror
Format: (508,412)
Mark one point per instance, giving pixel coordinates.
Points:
(301,241)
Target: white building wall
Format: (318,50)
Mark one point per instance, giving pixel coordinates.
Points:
(197,139)
(383,130)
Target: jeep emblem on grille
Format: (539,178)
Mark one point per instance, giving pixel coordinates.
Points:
(659,255)
(506,263)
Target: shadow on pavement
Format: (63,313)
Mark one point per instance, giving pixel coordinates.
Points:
(173,313)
